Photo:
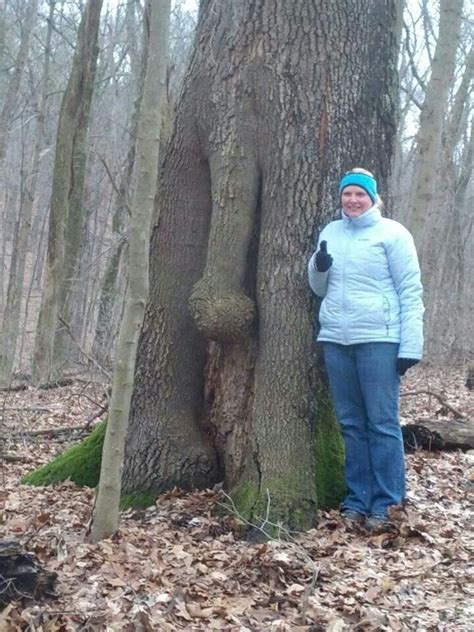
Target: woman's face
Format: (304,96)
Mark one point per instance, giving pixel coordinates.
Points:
(355,201)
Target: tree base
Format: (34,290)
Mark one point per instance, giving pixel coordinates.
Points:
(273,509)
(81,464)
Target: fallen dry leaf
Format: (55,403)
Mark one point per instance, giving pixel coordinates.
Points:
(176,566)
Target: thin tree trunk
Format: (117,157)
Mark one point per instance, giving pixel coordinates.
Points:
(9,104)
(11,317)
(77,217)
(105,518)
(38,263)
(73,109)
(423,211)
(111,301)
(447,318)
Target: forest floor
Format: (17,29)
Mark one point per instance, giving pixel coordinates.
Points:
(178,566)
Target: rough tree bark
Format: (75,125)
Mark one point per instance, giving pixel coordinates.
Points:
(280,98)
(73,109)
(106,511)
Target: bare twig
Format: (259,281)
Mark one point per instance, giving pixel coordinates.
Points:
(125,201)
(14,458)
(28,409)
(51,431)
(411,59)
(411,97)
(288,542)
(83,352)
(442,401)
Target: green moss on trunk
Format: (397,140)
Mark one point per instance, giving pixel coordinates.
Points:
(329,445)
(274,507)
(80,463)
(244,497)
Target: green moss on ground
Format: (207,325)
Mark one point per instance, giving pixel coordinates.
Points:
(80,463)
(138,500)
(329,445)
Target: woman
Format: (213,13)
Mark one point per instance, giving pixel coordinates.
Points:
(366,269)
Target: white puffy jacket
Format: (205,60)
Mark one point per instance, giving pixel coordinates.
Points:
(372,292)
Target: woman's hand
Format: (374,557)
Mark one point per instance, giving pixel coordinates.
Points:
(403,364)
(323,258)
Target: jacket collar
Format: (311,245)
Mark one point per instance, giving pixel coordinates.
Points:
(369,218)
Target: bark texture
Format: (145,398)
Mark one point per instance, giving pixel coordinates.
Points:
(270,115)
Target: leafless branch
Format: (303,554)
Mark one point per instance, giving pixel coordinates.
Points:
(91,359)
(124,199)
(411,59)
(441,400)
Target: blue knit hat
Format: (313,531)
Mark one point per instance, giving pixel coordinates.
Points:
(362,180)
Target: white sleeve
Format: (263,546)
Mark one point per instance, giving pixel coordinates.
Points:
(405,271)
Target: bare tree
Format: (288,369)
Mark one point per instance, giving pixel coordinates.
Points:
(12,312)
(105,519)
(435,106)
(74,109)
(8,109)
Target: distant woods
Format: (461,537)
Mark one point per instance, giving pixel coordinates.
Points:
(60,309)
(431,188)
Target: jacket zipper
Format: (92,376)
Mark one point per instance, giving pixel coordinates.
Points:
(343,284)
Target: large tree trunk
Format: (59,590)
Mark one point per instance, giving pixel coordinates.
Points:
(74,108)
(271,114)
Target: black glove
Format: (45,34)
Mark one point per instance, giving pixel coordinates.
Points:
(403,364)
(323,259)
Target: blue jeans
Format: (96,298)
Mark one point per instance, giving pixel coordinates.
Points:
(365,390)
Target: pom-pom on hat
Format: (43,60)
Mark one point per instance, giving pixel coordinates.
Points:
(362,180)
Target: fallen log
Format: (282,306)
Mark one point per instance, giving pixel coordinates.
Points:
(21,575)
(434,435)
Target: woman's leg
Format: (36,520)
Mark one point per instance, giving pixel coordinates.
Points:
(350,412)
(380,383)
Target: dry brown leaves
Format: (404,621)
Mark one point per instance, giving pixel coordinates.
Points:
(177,566)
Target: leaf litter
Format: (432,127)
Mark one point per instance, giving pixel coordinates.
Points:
(180,566)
